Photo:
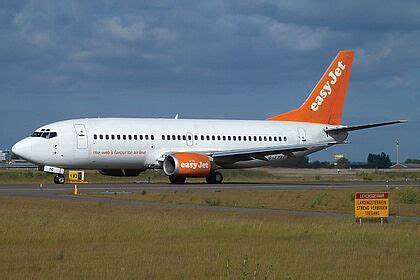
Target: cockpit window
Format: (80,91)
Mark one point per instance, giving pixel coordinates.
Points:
(44,134)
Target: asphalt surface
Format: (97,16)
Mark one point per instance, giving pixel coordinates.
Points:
(64,192)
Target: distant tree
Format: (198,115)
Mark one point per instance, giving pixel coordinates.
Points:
(298,162)
(303,162)
(343,163)
(316,164)
(417,161)
(320,164)
(378,161)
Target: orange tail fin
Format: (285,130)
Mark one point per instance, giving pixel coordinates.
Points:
(326,102)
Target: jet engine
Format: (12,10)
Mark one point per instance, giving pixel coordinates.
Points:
(187,165)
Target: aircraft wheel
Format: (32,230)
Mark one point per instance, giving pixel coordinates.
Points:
(214,178)
(177,179)
(59,179)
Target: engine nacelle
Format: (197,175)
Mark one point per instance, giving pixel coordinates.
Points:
(187,165)
(121,172)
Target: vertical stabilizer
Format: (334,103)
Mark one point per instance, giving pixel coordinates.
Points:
(326,102)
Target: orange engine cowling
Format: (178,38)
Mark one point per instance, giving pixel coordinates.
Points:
(187,165)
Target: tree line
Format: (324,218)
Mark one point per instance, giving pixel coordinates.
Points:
(381,161)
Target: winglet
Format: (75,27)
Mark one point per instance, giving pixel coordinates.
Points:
(326,101)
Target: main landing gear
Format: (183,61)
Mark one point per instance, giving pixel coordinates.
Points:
(59,179)
(214,178)
(177,179)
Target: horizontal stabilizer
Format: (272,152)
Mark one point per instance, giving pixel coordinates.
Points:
(359,127)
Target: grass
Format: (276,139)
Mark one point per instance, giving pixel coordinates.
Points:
(45,239)
(382,175)
(403,201)
(260,175)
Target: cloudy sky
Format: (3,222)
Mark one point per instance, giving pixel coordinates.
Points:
(208,59)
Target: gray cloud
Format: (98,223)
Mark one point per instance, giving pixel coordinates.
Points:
(265,55)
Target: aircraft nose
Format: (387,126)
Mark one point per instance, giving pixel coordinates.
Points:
(23,148)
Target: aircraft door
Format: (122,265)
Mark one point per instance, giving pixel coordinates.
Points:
(301,135)
(81,136)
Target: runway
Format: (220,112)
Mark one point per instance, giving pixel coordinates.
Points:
(51,190)
(64,192)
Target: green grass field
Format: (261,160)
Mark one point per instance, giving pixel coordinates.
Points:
(45,239)
(403,201)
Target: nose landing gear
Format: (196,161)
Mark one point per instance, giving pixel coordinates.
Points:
(59,179)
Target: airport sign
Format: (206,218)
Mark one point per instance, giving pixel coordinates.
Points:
(76,175)
(371,205)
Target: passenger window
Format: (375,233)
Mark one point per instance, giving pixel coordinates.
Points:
(207,137)
(239,138)
(168,137)
(107,137)
(228,138)
(189,137)
(163,137)
(202,137)
(270,139)
(123,137)
(285,138)
(152,137)
(95,136)
(218,137)
(260,138)
(234,138)
(255,138)
(129,137)
(280,138)
(224,138)
(179,137)
(244,138)
(113,137)
(213,137)
(275,138)
(146,137)
(195,137)
(118,137)
(135,137)
(173,137)
(141,137)
(101,136)
(184,137)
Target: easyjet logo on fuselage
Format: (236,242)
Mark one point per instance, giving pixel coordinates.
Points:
(327,88)
(192,164)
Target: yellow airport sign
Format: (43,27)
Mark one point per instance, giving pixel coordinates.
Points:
(338,156)
(371,205)
(76,175)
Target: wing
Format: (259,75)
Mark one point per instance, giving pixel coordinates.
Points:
(260,153)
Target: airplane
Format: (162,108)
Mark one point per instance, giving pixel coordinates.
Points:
(185,148)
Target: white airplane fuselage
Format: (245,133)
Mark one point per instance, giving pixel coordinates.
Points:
(196,148)
(148,140)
